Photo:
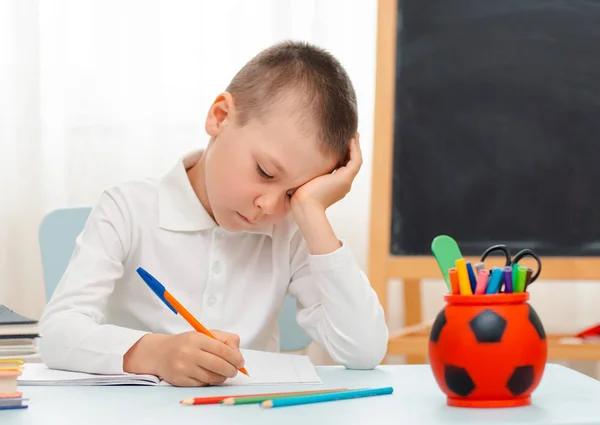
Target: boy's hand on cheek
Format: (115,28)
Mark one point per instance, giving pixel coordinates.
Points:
(310,201)
(324,191)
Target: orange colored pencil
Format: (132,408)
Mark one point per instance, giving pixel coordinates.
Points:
(175,305)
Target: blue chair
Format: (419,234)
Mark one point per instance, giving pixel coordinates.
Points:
(58,232)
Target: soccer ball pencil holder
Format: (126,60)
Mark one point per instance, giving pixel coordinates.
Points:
(488,350)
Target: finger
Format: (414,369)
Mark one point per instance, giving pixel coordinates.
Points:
(227,338)
(219,349)
(223,352)
(188,381)
(356,159)
(215,364)
(202,374)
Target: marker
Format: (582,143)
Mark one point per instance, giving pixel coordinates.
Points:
(515,271)
(521,278)
(528,278)
(479,266)
(472,278)
(494,281)
(482,281)
(508,286)
(455,289)
(463,277)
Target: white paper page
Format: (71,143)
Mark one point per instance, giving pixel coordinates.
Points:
(40,374)
(267,368)
(264,368)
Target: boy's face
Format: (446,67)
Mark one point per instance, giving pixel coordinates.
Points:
(250,172)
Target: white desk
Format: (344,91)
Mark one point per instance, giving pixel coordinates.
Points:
(563,397)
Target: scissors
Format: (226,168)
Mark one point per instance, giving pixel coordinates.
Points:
(515,260)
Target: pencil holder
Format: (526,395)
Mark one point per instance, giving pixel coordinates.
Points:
(488,350)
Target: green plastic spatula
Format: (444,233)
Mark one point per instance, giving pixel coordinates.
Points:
(446,252)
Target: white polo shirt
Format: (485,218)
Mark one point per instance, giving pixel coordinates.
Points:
(234,282)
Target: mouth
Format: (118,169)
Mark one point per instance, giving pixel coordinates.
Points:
(245,219)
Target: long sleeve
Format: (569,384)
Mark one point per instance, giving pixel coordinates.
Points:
(74,335)
(337,306)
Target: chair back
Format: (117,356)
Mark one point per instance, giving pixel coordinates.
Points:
(58,232)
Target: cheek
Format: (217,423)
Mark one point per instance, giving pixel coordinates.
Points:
(282,211)
(233,188)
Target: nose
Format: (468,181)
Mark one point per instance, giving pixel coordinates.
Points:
(270,203)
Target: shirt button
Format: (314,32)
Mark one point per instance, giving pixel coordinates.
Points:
(212,301)
(216,267)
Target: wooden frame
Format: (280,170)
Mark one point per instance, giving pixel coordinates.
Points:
(412,341)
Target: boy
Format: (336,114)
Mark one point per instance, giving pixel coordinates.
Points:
(229,231)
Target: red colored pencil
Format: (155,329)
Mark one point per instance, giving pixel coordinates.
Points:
(204,400)
(218,399)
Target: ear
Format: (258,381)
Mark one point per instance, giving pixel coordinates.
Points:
(219,114)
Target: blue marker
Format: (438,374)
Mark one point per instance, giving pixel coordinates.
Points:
(508,282)
(494,282)
(472,278)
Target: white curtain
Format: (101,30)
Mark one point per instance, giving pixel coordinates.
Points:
(94,92)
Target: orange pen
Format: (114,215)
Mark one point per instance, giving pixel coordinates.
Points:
(175,305)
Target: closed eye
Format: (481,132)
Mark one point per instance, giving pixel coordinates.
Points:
(262,172)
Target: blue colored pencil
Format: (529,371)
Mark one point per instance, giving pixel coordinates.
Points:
(318,398)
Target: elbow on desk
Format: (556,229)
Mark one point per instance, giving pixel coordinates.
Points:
(371,356)
(51,351)
(364,354)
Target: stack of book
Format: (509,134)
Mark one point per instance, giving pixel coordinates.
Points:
(18,342)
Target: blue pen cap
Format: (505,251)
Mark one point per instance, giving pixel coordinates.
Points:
(156,286)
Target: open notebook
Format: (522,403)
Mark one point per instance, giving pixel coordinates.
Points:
(264,368)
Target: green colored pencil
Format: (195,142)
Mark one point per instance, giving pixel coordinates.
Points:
(259,399)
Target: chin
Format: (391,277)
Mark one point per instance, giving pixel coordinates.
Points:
(229,222)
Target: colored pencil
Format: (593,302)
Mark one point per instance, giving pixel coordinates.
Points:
(218,399)
(231,401)
(319,398)
(204,400)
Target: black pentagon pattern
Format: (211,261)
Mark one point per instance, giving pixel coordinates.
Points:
(520,380)
(488,326)
(536,322)
(458,380)
(438,325)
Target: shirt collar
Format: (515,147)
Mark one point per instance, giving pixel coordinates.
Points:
(179,208)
